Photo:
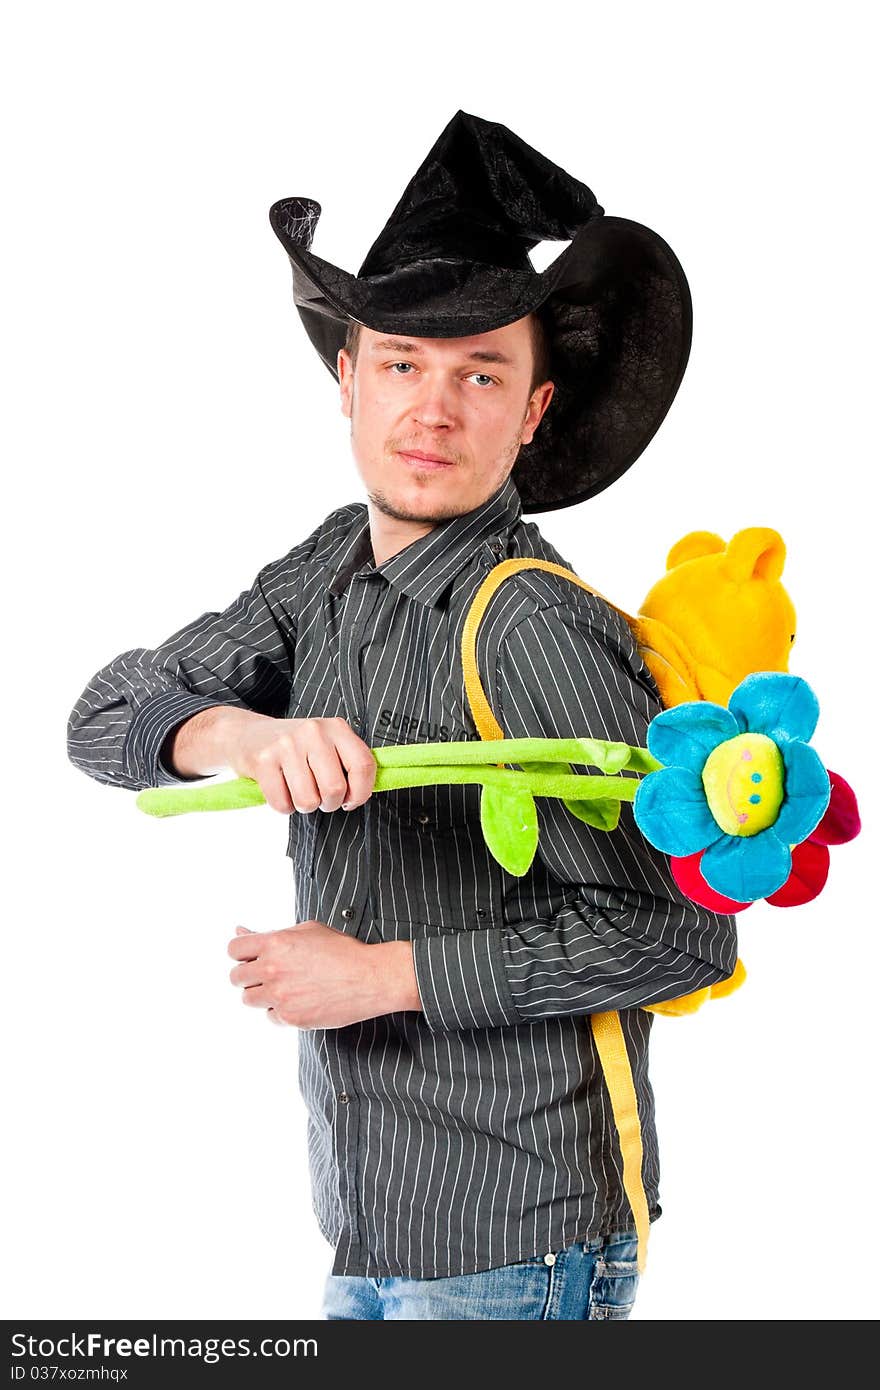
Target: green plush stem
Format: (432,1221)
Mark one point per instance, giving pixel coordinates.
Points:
(230,795)
(595,752)
(641,761)
(426,764)
(572,784)
(238,792)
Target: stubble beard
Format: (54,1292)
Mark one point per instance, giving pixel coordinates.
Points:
(383,503)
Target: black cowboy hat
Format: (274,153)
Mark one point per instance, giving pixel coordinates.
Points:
(453,260)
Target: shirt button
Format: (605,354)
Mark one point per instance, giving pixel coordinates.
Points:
(348,913)
(480,912)
(343,1096)
(424,819)
(549,1259)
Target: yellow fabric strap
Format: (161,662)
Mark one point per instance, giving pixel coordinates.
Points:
(607,1032)
(611,1046)
(487,725)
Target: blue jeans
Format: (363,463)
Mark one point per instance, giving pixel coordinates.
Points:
(588,1280)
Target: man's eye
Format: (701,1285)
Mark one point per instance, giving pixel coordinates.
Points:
(486,379)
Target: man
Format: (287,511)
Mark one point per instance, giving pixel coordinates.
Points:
(463,1154)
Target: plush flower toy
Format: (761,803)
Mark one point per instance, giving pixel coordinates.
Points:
(729,785)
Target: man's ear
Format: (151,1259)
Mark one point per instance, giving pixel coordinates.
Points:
(538,403)
(345,372)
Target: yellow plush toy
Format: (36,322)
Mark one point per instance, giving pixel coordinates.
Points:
(719,613)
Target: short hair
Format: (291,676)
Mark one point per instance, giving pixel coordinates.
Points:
(540,347)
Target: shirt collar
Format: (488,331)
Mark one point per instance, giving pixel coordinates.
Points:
(425,567)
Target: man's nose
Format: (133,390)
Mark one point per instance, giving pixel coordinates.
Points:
(434,404)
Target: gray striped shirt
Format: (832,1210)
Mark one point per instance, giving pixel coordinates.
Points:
(478,1132)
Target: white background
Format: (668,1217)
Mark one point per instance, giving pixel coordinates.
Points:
(170,430)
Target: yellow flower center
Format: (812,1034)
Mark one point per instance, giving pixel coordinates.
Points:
(744,781)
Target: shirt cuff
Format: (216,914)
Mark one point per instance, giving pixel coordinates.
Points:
(149,728)
(461,981)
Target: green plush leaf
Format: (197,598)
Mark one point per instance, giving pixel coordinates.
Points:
(509,819)
(603,815)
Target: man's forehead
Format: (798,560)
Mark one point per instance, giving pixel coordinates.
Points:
(502,341)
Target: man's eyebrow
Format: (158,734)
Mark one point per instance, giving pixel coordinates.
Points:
(413,349)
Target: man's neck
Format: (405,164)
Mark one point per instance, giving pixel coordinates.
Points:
(389,535)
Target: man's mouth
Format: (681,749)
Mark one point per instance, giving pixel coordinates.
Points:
(420,460)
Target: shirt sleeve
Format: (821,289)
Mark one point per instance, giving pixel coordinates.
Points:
(625,935)
(241,656)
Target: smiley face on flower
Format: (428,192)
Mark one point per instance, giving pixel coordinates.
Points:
(741,784)
(744,781)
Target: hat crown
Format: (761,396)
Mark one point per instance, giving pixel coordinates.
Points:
(481,194)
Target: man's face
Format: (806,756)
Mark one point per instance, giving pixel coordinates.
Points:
(465,401)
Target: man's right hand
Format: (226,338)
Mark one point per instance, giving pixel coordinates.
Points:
(299,764)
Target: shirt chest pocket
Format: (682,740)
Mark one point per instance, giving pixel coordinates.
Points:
(428,861)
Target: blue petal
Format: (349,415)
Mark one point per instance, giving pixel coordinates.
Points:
(807,793)
(776,704)
(747,867)
(671,810)
(685,735)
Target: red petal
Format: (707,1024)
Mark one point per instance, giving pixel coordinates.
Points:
(841,820)
(686,872)
(809,870)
